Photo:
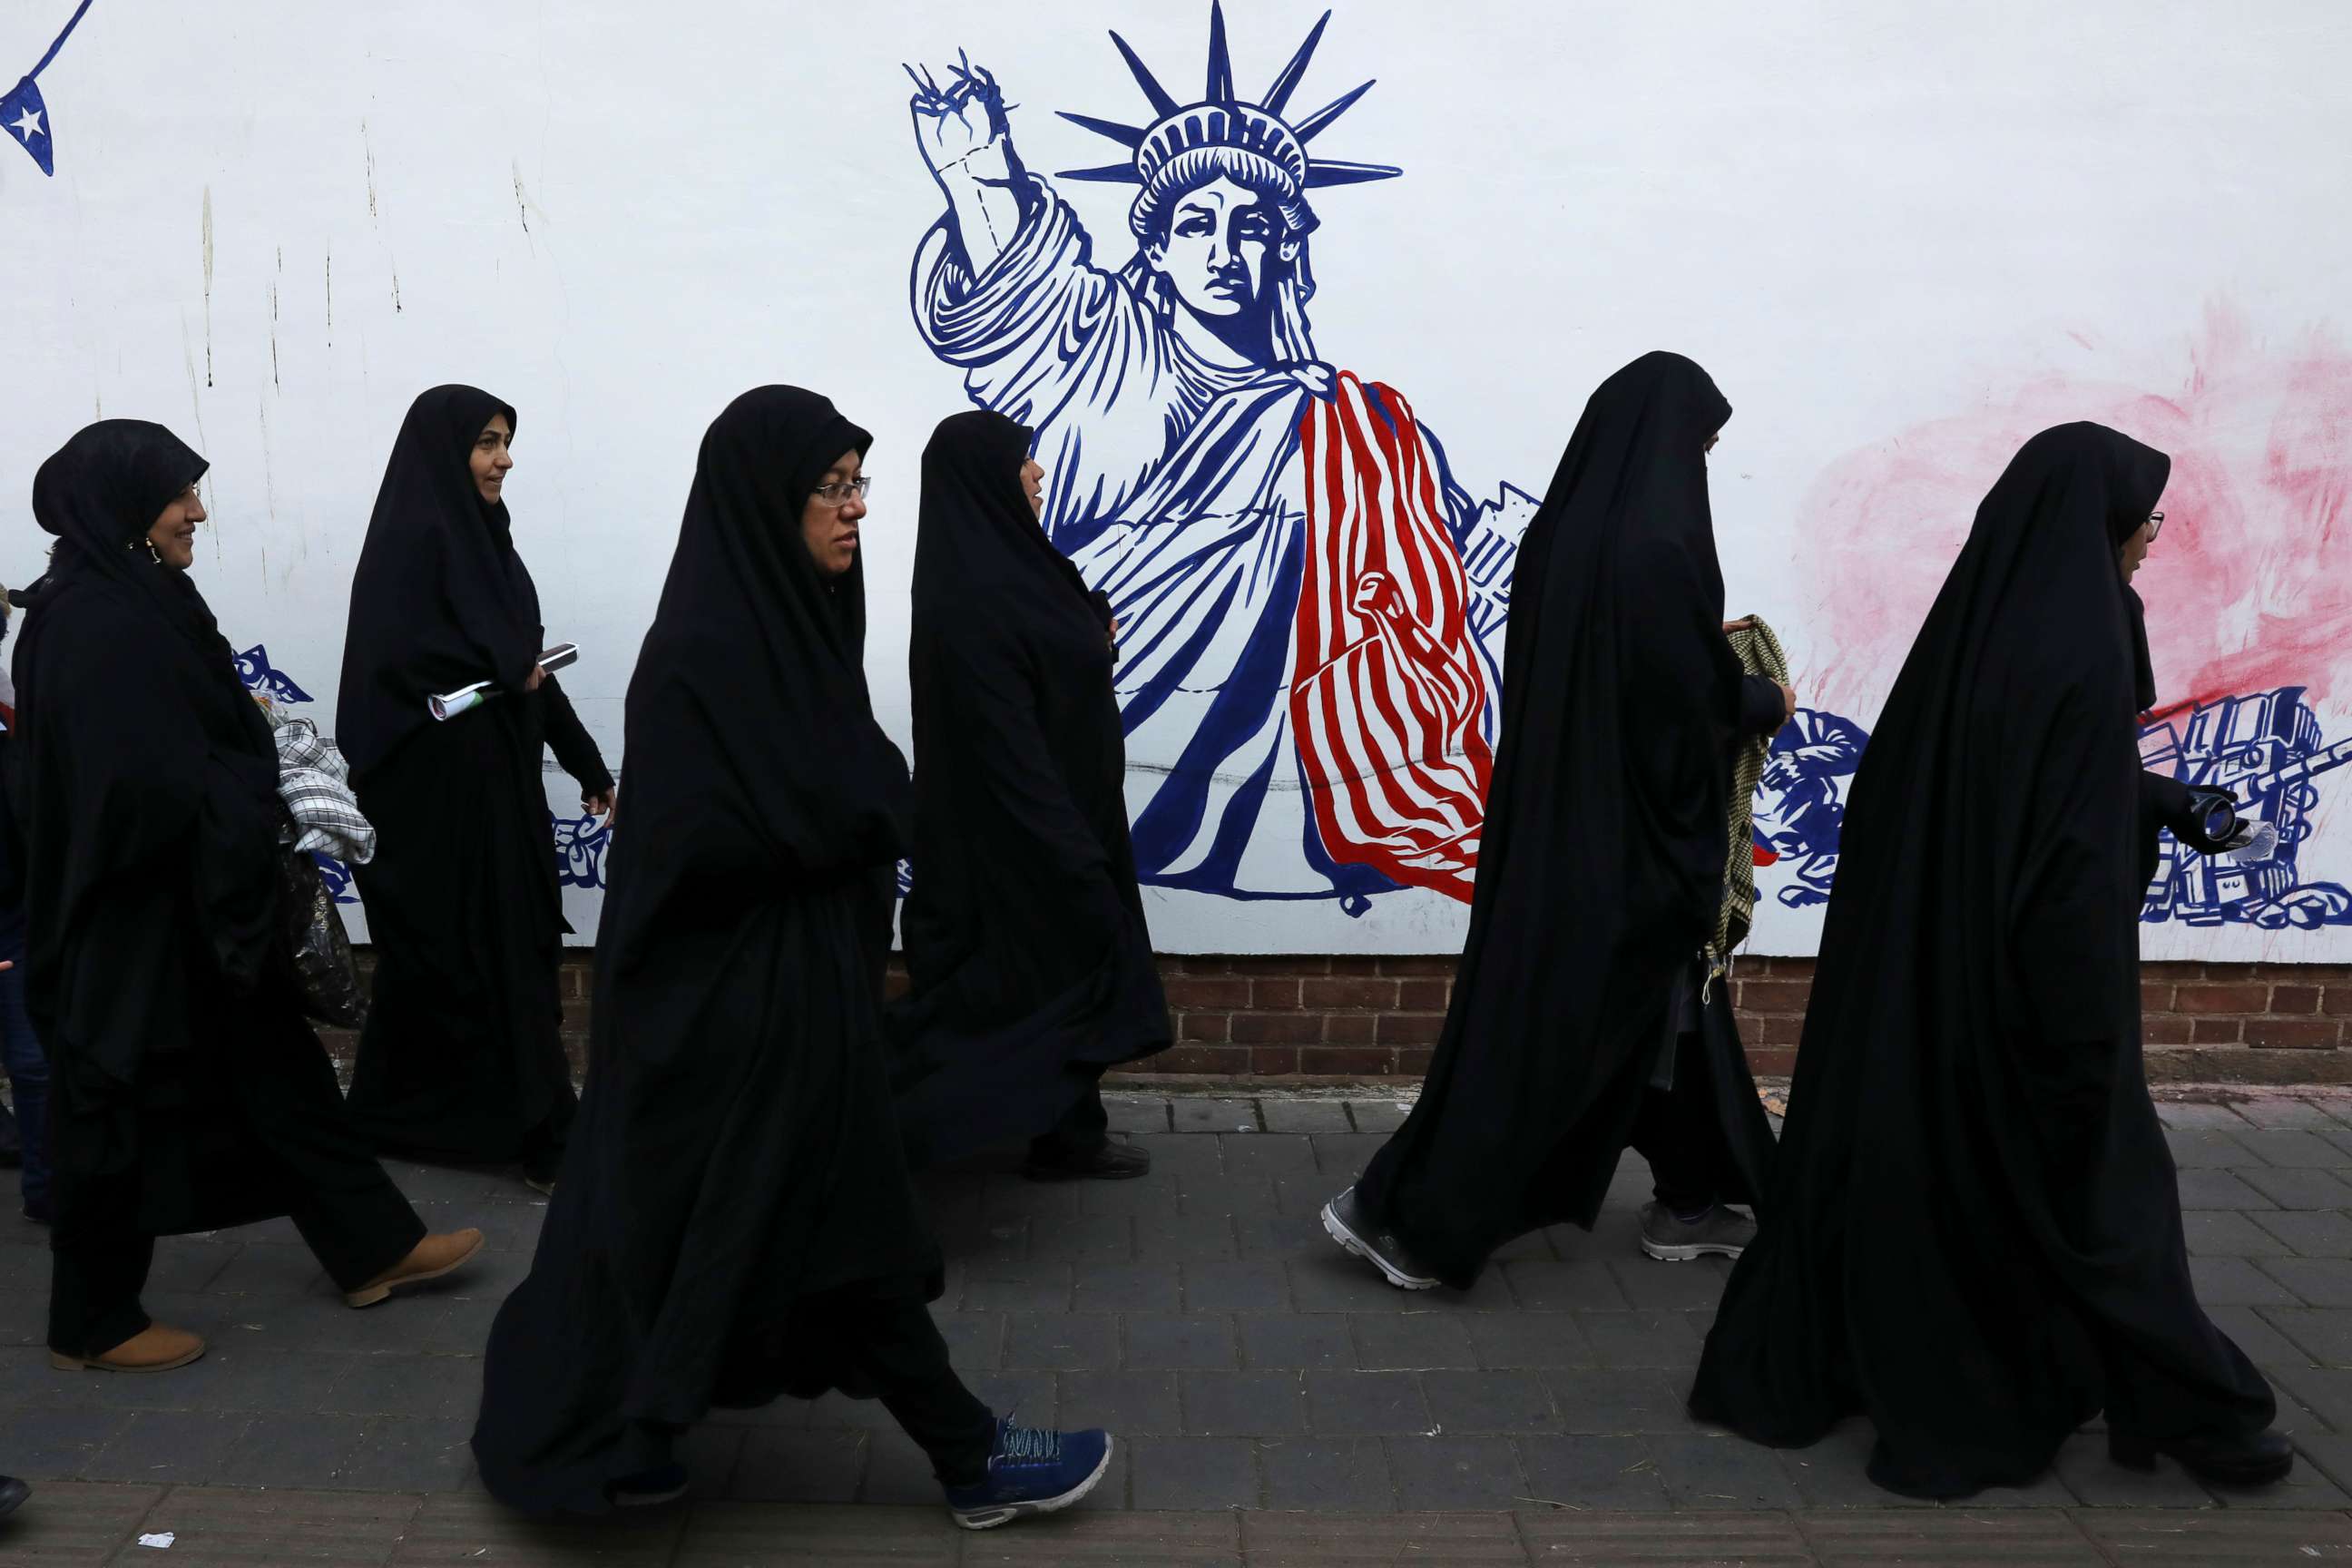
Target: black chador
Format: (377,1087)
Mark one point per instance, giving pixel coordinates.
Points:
(735,1221)
(1600,878)
(462,1056)
(1024,931)
(1973,1235)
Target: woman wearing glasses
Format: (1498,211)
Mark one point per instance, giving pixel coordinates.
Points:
(735,1223)
(1024,930)
(462,1057)
(1972,1234)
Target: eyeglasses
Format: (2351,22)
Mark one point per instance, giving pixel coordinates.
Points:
(842,494)
(2154,525)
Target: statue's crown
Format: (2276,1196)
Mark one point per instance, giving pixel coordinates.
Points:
(1222,118)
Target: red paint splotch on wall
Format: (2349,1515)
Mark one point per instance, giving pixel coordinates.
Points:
(2250,585)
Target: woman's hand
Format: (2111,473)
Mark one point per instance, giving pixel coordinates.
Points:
(532,681)
(1788,703)
(606,804)
(1741,625)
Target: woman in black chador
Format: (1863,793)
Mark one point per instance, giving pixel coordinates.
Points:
(1582,1017)
(462,1057)
(188,1092)
(735,1220)
(1973,1235)
(1024,931)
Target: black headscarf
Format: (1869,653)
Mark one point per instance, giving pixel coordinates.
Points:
(979,532)
(441,599)
(736,1164)
(1973,1232)
(143,771)
(1620,700)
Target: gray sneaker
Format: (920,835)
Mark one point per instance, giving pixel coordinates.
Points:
(1345,1219)
(1722,1231)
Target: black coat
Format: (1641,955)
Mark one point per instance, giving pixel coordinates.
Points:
(1973,1233)
(736,1166)
(1024,931)
(1601,870)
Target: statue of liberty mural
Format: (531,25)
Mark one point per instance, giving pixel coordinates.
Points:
(1306,668)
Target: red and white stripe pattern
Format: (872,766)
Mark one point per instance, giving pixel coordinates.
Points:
(1387,692)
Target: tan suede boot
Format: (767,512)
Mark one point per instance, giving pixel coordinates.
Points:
(428,1259)
(155,1348)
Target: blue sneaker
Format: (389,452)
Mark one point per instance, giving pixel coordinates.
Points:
(1031,1470)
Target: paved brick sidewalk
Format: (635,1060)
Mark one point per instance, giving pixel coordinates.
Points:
(1276,1402)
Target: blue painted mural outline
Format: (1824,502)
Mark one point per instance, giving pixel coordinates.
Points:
(23,111)
(1190,432)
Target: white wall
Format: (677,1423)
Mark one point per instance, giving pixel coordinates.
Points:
(1900,237)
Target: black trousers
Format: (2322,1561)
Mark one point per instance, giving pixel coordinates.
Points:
(351,1216)
(1079,1133)
(900,1355)
(1679,1132)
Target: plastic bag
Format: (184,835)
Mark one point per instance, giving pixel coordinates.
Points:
(323,968)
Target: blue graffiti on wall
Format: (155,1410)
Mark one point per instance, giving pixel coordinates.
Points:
(2265,748)
(25,114)
(581,842)
(1311,608)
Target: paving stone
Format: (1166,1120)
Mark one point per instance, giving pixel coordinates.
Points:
(975,1340)
(222,1526)
(2306,1487)
(1199,1114)
(2324,1391)
(1647,1282)
(1153,1287)
(1126,1403)
(2318,1281)
(2294,1188)
(1278,1236)
(1304,1115)
(1589,1471)
(2275,1110)
(1060,1340)
(397,1454)
(1952,1538)
(1343,1156)
(160,1447)
(280,1450)
(1302,1195)
(1706,1472)
(1270,1155)
(1276,1540)
(1186,1238)
(1195,1473)
(1610,1400)
(1259,1286)
(1366,1405)
(2090,1475)
(423,1387)
(1042,1289)
(453,1527)
(1178,1155)
(1015,1197)
(2195,1114)
(183,1263)
(1564,1286)
(2258,1337)
(2294,1149)
(786,1466)
(1317,1340)
(1193,1342)
(2309,1233)
(2222,1536)
(58,1444)
(1409,1341)
(1326,1473)
(2324,1334)
(1330,1280)
(1713,1537)
(1032,1396)
(2198,1149)
(2224,1190)
(1835,1472)
(1241,1197)
(1642,1339)
(1243,1403)
(1086,1240)
(1377,1115)
(2226,1233)
(2239,1282)
(1521,1341)
(1465,1402)
(1131,1199)
(1138,1540)
(1137,1112)
(729,1535)
(70,1524)
(1456,1473)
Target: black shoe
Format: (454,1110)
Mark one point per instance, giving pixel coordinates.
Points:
(1351,1227)
(12,1492)
(540,1179)
(2251,1459)
(649,1488)
(1113,1162)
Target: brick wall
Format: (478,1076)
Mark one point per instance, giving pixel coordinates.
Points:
(1377,1018)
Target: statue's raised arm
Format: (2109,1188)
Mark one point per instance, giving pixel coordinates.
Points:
(967,142)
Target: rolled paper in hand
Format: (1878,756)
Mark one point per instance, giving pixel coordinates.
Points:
(466,698)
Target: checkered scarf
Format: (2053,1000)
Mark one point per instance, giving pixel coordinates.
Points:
(1760,654)
(315,784)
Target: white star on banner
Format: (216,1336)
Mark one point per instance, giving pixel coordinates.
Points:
(29,126)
